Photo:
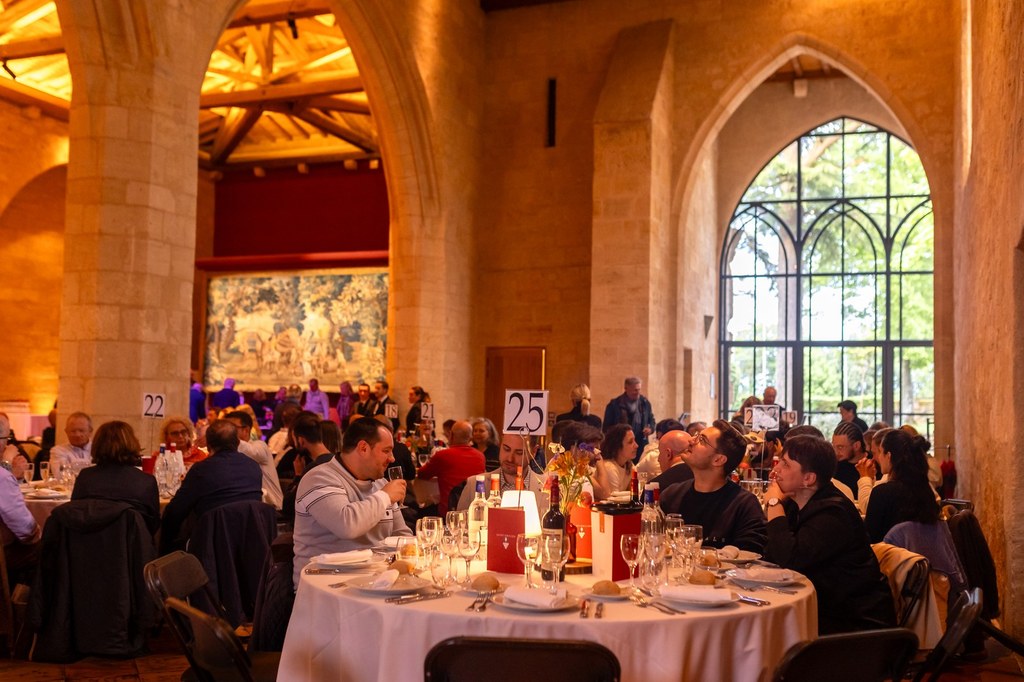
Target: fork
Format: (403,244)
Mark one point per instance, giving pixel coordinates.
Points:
(664,608)
(475,604)
(483,604)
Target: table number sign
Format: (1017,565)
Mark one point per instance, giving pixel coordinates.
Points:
(765,417)
(525,412)
(153,405)
(426,411)
(391,410)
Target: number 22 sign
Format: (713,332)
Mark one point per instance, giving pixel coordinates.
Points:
(526,412)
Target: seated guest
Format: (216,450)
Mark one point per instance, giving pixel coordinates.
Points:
(580,412)
(307,432)
(226,476)
(297,457)
(672,447)
(115,451)
(454,464)
(906,495)
(872,469)
(848,443)
(257,451)
(74,453)
(346,504)
(814,529)
(729,514)
(19,532)
(582,434)
(617,452)
(278,442)
(485,439)
(808,430)
(649,463)
(177,431)
(513,454)
(330,436)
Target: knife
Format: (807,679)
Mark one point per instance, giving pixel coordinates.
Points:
(324,571)
(584,608)
(410,598)
(753,601)
(599,610)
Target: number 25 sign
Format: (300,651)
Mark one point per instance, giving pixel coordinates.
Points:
(526,412)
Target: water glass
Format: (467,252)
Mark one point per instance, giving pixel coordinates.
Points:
(395,474)
(629,546)
(423,458)
(526,550)
(692,537)
(457,521)
(469,545)
(655,547)
(408,550)
(554,554)
(449,545)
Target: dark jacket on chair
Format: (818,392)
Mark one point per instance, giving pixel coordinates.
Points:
(89,597)
(232,542)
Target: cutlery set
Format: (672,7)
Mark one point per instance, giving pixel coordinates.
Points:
(412,598)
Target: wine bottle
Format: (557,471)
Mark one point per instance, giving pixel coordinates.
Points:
(634,488)
(478,510)
(553,523)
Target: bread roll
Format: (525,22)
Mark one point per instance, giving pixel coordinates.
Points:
(702,578)
(403,567)
(606,587)
(729,552)
(486,582)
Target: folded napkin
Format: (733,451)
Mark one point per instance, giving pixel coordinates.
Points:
(775,575)
(391,541)
(541,598)
(359,556)
(620,497)
(385,579)
(703,594)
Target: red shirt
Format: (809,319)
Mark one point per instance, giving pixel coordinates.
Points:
(451,467)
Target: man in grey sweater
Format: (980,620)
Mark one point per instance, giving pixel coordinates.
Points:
(346,504)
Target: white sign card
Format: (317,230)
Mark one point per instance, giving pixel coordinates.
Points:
(153,405)
(525,412)
(765,417)
(426,411)
(391,410)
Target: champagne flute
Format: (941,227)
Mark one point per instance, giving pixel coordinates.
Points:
(44,471)
(629,547)
(469,545)
(395,474)
(450,548)
(693,536)
(423,458)
(29,471)
(554,553)
(526,550)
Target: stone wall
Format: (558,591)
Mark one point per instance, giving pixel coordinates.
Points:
(989,276)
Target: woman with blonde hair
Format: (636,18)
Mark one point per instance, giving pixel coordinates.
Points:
(580,412)
(485,439)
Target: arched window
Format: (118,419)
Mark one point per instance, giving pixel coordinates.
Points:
(826,279)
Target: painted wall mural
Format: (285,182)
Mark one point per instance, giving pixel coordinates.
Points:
(270,329)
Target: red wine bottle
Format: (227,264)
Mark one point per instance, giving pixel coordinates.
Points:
(553,523)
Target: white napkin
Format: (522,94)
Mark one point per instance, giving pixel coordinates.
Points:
(704,594)
(542,598)
(385,579)
(359,556)
(620,497)
(775,575)
(391,541)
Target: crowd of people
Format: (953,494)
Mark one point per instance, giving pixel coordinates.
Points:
(323,468)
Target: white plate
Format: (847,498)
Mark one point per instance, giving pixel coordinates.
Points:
(751,583)
(567,604)
(406,584)
(621,596)
(45,495)
(742,559)
(482,593)
(700,604)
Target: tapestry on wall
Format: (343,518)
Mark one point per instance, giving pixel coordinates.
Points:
(267,330)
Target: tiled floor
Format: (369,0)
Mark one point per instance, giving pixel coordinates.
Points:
(165,664)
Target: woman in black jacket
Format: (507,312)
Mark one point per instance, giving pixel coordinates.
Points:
(907,495)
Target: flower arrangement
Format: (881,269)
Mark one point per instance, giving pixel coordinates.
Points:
(572,468)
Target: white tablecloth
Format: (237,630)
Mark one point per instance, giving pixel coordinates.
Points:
(338,634)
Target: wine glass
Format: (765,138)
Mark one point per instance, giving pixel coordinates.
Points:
(654,547)
(693,536)
(44,471)
(469,545)
(526,550)
(554,553)
(629,546)
(673,531)
(427,533)
(456,521)
(450,548)
(395,474)
(423,458)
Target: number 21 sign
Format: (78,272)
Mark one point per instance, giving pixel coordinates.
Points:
(526,412)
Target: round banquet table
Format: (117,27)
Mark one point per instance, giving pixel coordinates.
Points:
(41,508)
(341,634)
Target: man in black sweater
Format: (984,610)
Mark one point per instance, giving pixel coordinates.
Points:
(728,514)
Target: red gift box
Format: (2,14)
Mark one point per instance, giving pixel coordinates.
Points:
(606,531)
(580,517)
(503,525)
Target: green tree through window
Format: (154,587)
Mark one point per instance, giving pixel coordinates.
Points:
(826,278)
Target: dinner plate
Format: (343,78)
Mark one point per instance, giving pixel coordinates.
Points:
(673,601)
(751,583)
(621,596)
(350,566)
(406,584)
(45,495)
(482,593)
(742,559)
(567,604)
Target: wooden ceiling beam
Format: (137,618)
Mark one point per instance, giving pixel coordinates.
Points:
(338,104)
(16,13)
(35,47)
(236,126)
(332,127)
(13,91)
(280,93)
(270,12)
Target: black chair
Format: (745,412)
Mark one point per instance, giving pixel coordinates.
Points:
(467,659)
(217,651)
(959,505)
(917,580)
(962,617)
(849,657)
(180,575)
(275,599)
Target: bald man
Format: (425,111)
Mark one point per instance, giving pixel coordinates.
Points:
(671,448)
(454,464)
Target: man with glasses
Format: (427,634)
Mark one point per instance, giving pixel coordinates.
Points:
(728,514)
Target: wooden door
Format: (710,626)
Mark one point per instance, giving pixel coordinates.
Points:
(510,368)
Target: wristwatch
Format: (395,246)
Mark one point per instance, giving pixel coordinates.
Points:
(773,502)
